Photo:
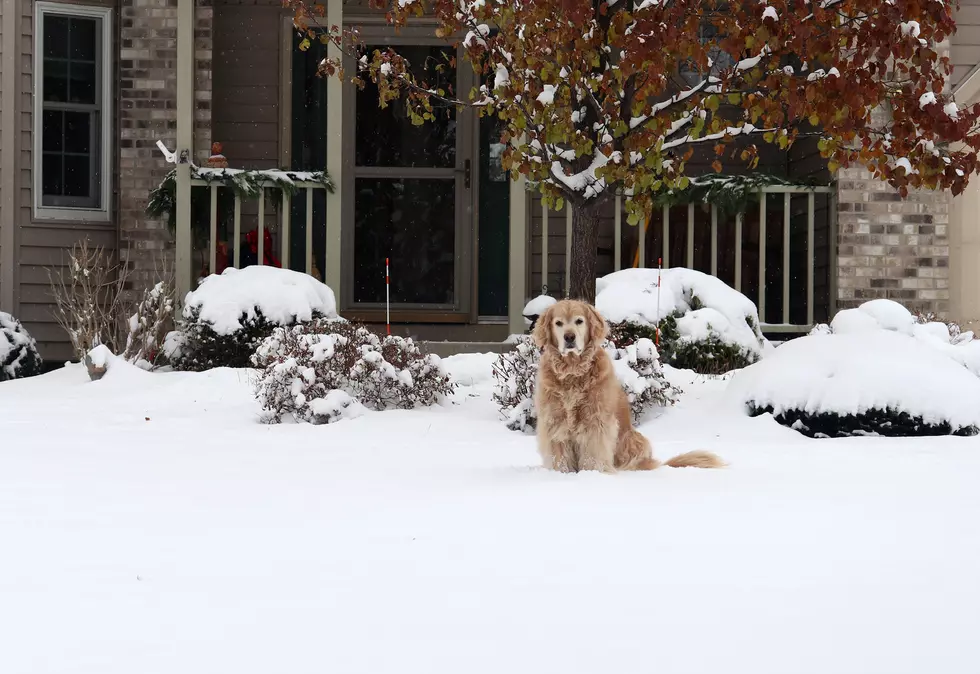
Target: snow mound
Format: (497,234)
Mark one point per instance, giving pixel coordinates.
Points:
(888,316)
(874,315)
(852,384)
(705,307)
(334,406)
(282,296)
(18,350)
(535,308)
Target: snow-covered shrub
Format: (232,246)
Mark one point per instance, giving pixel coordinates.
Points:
(149,326)
(888,316)
(326,370)
(230,314)
(636,364)
(18,350)
(705,325)
(863,383)
(535,308)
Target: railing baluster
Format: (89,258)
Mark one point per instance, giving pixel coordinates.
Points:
(762,257)
(690,235)
(618,233)
(213,246)
(809,257)
(238,231)
(568,249)
(641,242)
(286,206)
(261,227)
(309,231)
(714,240)
(545,248)
(738,250)
(786,232)
(665,248)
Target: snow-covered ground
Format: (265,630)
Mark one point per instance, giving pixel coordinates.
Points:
(150,525)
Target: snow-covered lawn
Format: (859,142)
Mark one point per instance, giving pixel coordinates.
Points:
(150,525)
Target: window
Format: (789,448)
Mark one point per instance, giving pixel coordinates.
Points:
(72,111)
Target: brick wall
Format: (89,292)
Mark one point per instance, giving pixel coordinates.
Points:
(148,113)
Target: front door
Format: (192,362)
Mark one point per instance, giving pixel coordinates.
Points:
(408,194)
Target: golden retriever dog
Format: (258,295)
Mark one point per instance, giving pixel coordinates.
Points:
(583,413)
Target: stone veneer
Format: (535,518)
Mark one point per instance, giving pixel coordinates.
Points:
(148,113)
(889,247)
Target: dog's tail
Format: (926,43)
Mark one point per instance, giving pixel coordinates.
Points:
(696,459)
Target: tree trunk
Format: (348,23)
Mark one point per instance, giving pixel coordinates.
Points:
(585,249)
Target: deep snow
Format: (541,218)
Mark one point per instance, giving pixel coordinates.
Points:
(151,525)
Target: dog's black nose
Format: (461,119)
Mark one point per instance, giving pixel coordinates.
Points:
(569,339)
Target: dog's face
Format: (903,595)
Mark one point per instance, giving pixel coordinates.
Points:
(570,327)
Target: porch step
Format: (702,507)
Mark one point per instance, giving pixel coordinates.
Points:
(444,349)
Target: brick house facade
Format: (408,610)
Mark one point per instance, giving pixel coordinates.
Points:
(883,246)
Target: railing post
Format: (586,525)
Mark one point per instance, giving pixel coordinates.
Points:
(286,201)
(762,256)
(545,249)
(618,233)
(213,238)
(517,268)
(185,143)
(332,272)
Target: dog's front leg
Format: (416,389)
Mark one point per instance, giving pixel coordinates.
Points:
(597,449)
(563,458)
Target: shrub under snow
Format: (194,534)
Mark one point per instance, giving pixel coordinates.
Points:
(888,316)
(326,370)
(879,382)
(231,313)
(705,325)
(18,350)
(637,366)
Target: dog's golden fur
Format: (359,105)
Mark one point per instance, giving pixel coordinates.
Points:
(583,413)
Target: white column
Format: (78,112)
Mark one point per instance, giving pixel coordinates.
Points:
(185,143)
(517,268)
(332,273)
(964,257)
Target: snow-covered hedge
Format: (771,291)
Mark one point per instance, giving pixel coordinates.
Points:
(231,313)
(18,350)
(326,370)
(637,366)
(885,315)
(880,382)
(705,325)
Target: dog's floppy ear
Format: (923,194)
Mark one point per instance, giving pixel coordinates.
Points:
(542,328)
(598,329)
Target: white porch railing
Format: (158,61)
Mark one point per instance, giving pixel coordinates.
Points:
(790,277)
(304,190)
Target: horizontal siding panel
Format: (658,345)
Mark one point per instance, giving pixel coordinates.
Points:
(36,313)
(35,293)
(247,96)
(66,237)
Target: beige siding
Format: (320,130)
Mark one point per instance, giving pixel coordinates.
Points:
(965,43)
(246,95)
(44,246)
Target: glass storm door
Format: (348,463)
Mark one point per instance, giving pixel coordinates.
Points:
(411,195)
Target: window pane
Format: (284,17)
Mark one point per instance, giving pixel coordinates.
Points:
(51,175)
(387,137)
(56,36)
(78,170)
(78,132)
(81,39)
(81,89)
(55,81)
(52,131)
(413,222)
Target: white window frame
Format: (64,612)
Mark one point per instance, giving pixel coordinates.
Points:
(42,212)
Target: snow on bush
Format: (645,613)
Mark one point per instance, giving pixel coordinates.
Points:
(882,382)
(326,370)
(705,325)
(886,315)
(18,350)
(637,366)
(535,308)
(231,313)
(148,327)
